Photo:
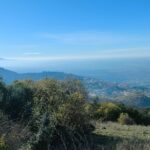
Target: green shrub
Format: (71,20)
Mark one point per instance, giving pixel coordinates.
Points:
(59,117)
(91,110)
(109,111)
(125,119)
(20,97)
(3,145)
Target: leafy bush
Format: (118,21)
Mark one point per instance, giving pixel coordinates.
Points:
(19,96)
(92,110)
(125,119)
(109,111)
(3,93)
(3,145)
(138,116)
(59,118)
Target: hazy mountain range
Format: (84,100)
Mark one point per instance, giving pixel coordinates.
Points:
(10,76)
(106,91)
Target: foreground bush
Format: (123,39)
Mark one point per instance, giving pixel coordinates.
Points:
(59,118)
(53,111)
(56,115)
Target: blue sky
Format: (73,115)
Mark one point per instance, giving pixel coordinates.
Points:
(58,30)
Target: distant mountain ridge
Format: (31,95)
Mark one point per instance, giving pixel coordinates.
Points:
(10,76)
(106,91)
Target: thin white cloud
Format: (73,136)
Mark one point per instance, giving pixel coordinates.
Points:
(93,38)
(109,54)
(21,46)
(32,53)
(3,59)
